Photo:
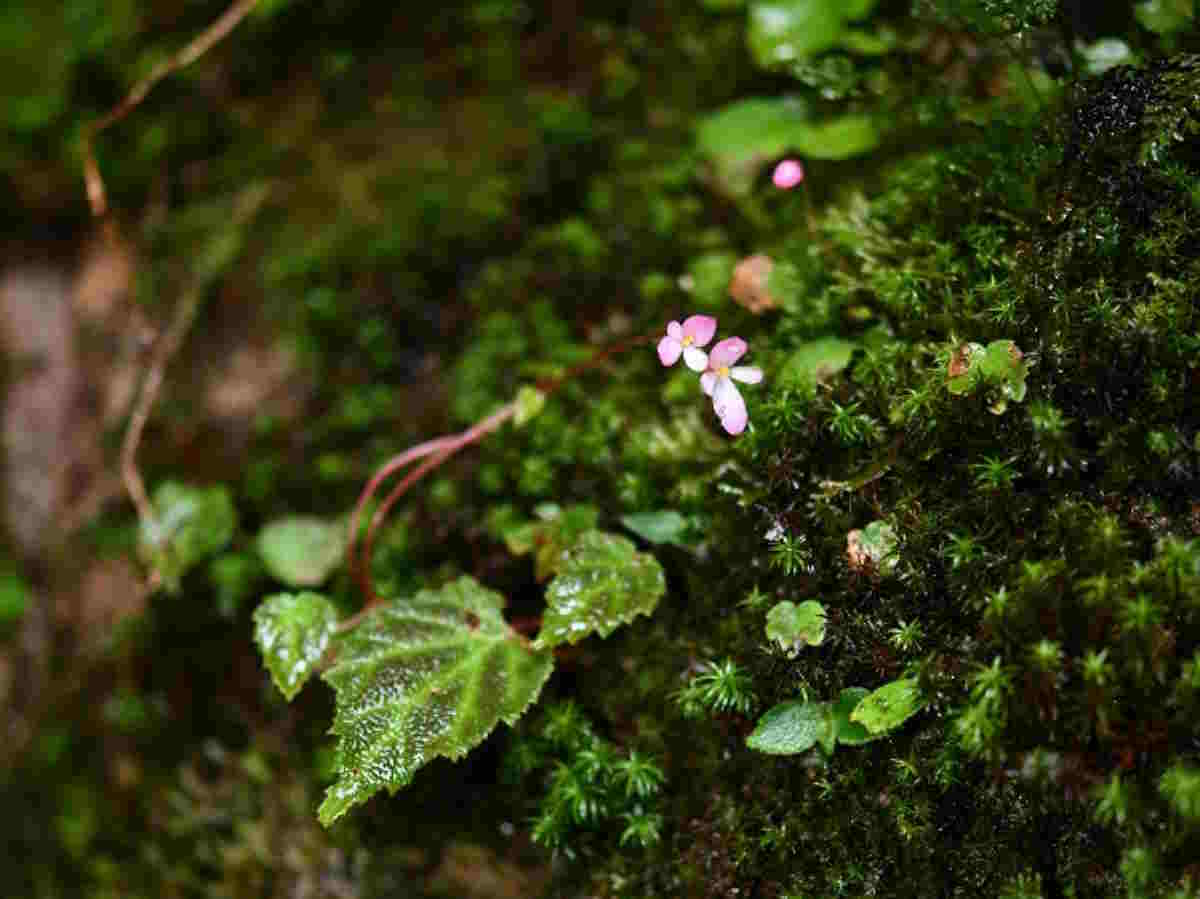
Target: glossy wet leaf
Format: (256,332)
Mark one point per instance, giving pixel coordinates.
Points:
(791,728)
(602,583)
(189,525)
(781,32)
(424,677)
(741,137)
(890,706)
(795,626)
(663,526)
(556,529)
(302,551)
(293,631)
(849,732)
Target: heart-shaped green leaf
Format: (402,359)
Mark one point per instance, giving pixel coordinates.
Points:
(602,583)
(890,706)
(293,631)
(792,727)
(795,626)
(782,32)
(738,139)
(189,525)
(302,551)
(425,677)
(665,526)
(556,530)
(850,732)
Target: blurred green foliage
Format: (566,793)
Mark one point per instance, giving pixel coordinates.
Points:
(467,198)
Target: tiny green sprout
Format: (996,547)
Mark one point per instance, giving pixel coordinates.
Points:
(963,550)
(1138,615)
(850,426)
(641,829)
(791,555)
(755,599)
(1112,802)
(976,726)
(906,636)
(721,687)
(1098,589)
(640,776)
(997,604)
(1004,310)
(1046,655)
(1024,886)
(1180,786)
(1160,385)
(991,683)
(567,727)
(580,796)
(1097,670)
(1139,868)
(596,762)
(1160,443)
(994,473)
(550,830)
(1046,419)
(906,771)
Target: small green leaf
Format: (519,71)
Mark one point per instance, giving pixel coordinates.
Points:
(189,524)
(602,583)
(816,361)
(795,626)
(791,728)
(873,548)
(424,677)
(14,598)
(738,139)
(293,631)
(1165,16)
(663,526)
(555,531)
(530,401)
(850,732)
(786,31)
(783,32)
(302,551)
(890,706)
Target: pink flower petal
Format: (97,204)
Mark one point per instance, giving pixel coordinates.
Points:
(729,406)
(695,359)
(700,328)
(727,352)
(675,330)
(747,374)
(668,351)
(788,174)
(708,380)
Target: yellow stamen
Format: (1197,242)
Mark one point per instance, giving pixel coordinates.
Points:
(723,371)
(687,340)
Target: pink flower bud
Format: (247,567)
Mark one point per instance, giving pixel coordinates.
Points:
(788,174)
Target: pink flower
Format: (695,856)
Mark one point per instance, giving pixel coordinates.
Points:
(687,339)
(718,380)
(788,174)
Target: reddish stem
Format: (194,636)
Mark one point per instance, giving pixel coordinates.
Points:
(444,447)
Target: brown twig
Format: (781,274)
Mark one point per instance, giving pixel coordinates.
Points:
(201,44)
(164,350)
(444,448)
